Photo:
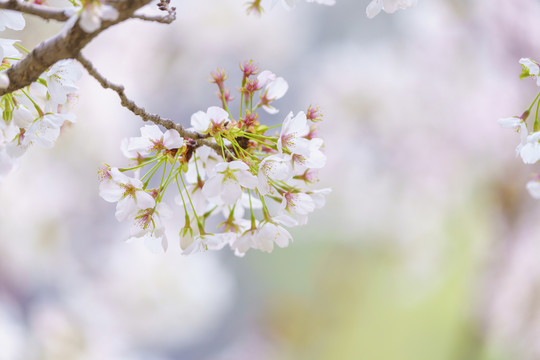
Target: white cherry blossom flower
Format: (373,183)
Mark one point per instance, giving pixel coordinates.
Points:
(12,20)
(201,164)
(533,187)
(277,167)
(319,197)
(292,134)
(265,77)
(530,149)
(213,118)
(93,13)
(270,233)
(226,181)
(152,139)
(44,131)
(532,67)
(244,242)
(510,123)
(23,117)
(200,243)
(148,226)
(8,49)
(274,89)
(194,191)
(389,6)
(315,159)
(297,203)
(128,192)
(61,80)
(290,4)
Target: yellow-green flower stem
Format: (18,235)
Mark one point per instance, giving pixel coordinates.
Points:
(224,103)
(253,227)
(534,101)
(195,157)
(21,48)
(221,143)
(142,164)
(536,125)
(38,109)
(266,213)
(281,185)
(173,172)
(7,102)
(152,171)
(244,79)
(186,215)
(199,224)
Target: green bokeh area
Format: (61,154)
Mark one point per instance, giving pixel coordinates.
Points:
(328,300)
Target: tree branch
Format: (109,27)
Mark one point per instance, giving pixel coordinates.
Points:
(139,111)
(42,11)
(65,45)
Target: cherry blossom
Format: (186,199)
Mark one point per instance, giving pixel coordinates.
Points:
(275,88)
(148,226)
(227,180)
(389,6)
(270,233)
(277,167)
(128,192)
(153,139)
(12,20)
(532,69)
(210,121)
(61,80)
(93,13)
(242,188)
(292,134)
(533,187)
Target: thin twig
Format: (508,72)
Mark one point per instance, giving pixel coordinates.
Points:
(167,19)
(141,112)
(65,45)
(42,11)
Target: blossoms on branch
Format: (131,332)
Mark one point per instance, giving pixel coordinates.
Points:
(241,189)
(35,115)
(529,130)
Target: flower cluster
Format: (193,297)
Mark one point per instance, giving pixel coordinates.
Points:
(236,184)
(529,146)
(35,114)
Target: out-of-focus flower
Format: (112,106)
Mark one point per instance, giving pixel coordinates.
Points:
(389,6)
(93,12)
(531,69)
(61,80)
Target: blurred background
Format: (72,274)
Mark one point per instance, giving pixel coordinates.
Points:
(428,247)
